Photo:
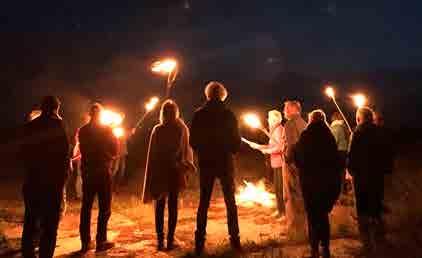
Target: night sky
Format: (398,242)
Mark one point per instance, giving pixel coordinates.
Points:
(265,51)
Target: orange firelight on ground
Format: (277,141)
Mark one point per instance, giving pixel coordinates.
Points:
(359,100)
(118,132)
(110,118)
(252,120)
(255,194)
(165,66)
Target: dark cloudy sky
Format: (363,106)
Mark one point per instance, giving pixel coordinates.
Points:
(92,41)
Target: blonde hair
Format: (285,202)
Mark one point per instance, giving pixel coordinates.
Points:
(215,90)
(169,111)
(275,114)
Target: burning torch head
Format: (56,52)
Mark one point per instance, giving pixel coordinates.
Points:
(252,120)
(359,100)
(330,92)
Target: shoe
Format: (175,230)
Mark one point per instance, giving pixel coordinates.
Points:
(235,244)
(87,246)
(199,244)
(104,246)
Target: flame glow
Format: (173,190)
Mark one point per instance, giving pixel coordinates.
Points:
(359,100)
(150,105)
(110,118)
(164,66)
(255,194)
(252,120)
(118,132)
(330,92)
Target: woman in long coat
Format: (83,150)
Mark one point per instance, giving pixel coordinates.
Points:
(169,159)
(317,159)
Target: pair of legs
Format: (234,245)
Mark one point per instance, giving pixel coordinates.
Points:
(207,179)
(42,214)
(160,205)
(92,187)
(319,231)
(278,188)
(369,205)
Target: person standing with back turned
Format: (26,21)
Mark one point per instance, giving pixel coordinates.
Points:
(215,137)
(99,147)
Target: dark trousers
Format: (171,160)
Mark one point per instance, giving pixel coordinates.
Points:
(42,215)
(91,187)
(318,229)
(160,205)
(278,188)
(207,179)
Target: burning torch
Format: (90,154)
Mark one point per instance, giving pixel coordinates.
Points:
(330,93)
(149,106)
(359,100)
(253,121)
(167,67)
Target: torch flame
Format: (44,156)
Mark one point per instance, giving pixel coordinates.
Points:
(360,100)
(118,132)
(330,92)
(252,120)
(110,118)
(150,105)
(164,66)
(251,194)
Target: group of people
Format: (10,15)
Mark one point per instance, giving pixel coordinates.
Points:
(309,160)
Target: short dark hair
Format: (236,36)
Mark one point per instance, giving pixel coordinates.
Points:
(95,109)
(50,104)
(366,114)
(169,111)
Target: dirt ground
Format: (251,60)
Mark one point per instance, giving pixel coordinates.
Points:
(132,227)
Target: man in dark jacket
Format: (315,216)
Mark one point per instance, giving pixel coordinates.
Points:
(215,137)
(98,148)
(366,164)
(320,175)
(45,155)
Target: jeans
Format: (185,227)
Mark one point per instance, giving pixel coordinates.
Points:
(207,178)
(172,215)
(278,188)
(101,187)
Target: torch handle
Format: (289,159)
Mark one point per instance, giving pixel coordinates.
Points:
(342,115)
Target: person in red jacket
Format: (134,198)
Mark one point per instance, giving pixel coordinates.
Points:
(98,147)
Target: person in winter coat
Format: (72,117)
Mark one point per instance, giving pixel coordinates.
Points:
(366,165)
(292,194)
(319,167)
(98,147)
(215,137)
(45,155)
(274,149)
(169,160)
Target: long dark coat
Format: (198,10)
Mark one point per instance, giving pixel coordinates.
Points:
(168,148)
(317,158)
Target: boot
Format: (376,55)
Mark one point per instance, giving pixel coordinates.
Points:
(87,246)
(235,244)
(314,253)
(104,246)
(160,242)
(199,244)
(326,252)
(170,244)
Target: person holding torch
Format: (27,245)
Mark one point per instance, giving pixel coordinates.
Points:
(274,149)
